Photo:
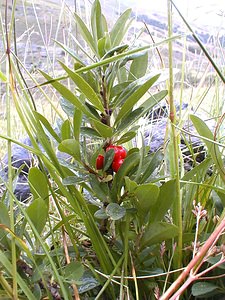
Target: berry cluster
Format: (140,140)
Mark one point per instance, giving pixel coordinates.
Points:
(119,155)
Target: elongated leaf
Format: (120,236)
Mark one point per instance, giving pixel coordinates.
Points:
(77,121)
(108,159)
(66,130)
(38,184)
(151,166)
(138,67)
(71,53)
(157,233)
(21,282)
(118,30)
(72,180)
(38,213)
(67,107)
(167,196)
(84,87)
(128,120)
(144,108)
(126,137)
(90,132)
(86,33)
(104,130)
(213,149)
(135,97)
(3,77)
(100,188)
(4,220)
(67,94)
(129,164)
(96,21)
(101,46)
(115,50)
(199,170)
(119,88)
(47,125)
(4,215)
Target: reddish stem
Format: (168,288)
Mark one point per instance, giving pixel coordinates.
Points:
(193,264)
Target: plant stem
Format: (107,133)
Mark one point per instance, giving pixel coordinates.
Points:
(194,263)
(175,149)
(11,86)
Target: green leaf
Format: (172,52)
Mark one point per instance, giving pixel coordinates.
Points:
(77,121)
(104,130)
(115,211)
(130,184)
(167,196)
(3,77)
(115,50)
(208,139)
(158,232)
(101,189)
(4,215)
(66,130)
(70,96)
(101,46)
(109,155)
(138,67)
(88,283)
(120,27)
(86,33)
(147,195)
(153,100)
(128,120)
(38,184)
(4,220)
(84,88)
(199,170)
(71,53)
(135,97)
(71,180)
(71,147)
(74,271)
(126,137)
(47,125)
(90,132)
(128,166)
(22,283)
(101,214)
(96,21)
(38,213)
(201,289)
(67,107)
(151,166)
(119,88)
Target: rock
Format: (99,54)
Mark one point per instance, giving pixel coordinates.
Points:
(155,135)
(21,158)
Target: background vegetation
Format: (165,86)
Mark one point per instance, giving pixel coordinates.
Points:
(74,83)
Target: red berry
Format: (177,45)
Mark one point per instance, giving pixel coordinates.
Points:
(100,162)
(117,164)
(119,151)
(122,151)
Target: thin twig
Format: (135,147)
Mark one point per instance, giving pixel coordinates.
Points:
(194,263)
(75,290)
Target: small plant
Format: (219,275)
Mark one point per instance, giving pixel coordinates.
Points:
(108,219)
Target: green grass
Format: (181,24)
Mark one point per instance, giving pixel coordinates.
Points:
(119,231)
